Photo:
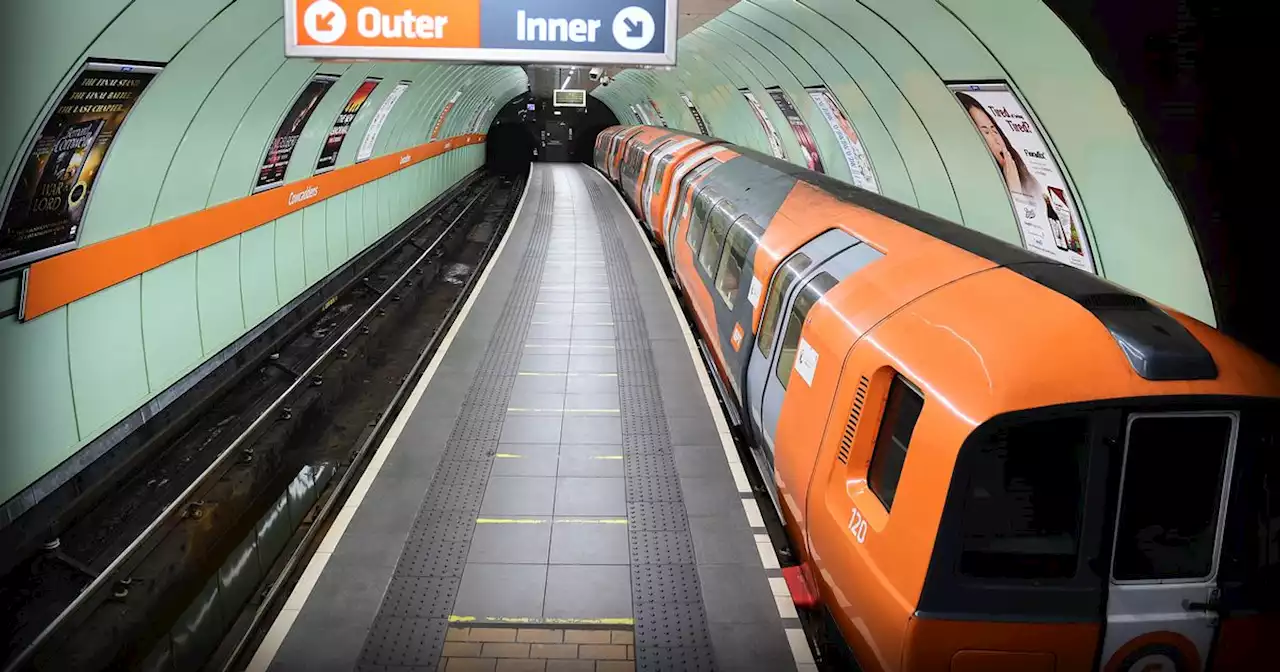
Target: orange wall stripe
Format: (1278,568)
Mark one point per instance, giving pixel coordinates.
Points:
(57,281)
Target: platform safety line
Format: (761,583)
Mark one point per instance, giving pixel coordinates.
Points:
(537,620)
(796,637)
(275,636)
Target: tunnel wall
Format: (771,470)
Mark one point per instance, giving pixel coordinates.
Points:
(195,140)
(888,62)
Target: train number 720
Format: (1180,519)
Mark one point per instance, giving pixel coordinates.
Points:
(858,525)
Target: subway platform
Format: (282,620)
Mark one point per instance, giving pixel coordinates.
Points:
(560,492)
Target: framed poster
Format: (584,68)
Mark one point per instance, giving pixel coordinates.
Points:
(801,129)
(338,132)
(51,189)
(275,161)
(444,114)
(657,113)
(775,142)
(855,157)
(379,118)
(1048,219)
(687,97)
(638,110)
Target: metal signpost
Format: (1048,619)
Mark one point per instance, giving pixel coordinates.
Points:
(624,32)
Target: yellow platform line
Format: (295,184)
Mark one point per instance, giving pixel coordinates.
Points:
(508,455)
(606,457)
(510,521)
(553,373)
(538,521)
(564,410)
(534,620)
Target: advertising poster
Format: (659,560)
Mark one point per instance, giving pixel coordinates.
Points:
(657,114)
(379,118)
(807,142)
(333,143)
(640,114)
(1047,215)
(687,97)
(444,114)
(775,143)
(854,155)
(276,161)
(478,122)
(43,212)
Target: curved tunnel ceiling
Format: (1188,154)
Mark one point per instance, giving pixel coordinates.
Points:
(888,63)
(195,140)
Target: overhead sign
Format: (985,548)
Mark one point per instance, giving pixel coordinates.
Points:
(595,32)
(569,98)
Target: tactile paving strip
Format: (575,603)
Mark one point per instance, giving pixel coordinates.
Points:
(670,622)
(412,621)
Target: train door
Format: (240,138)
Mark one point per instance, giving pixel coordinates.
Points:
(765,386)
(1163,596)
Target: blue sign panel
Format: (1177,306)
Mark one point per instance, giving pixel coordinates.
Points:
(635,26)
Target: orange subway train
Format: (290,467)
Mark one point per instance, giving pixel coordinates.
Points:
(984,459)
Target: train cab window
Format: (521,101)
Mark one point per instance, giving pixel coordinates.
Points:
(704,199)
(656,173)
(1165,532)
(1024,501)
(786,275)
(722,216)
(687,184)
(742,235)
(901,411)
(805,300)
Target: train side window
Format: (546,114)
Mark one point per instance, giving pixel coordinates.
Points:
(703,200)
(1024,502)
(742,235)
(1164,532)
(897,424)
(722,217)
(784,277)
(805,300)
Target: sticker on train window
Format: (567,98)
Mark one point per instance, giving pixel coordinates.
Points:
(806,361)
(736,338)
(753,293)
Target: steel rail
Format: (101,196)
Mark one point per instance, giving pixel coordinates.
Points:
(266,607)
(217,465)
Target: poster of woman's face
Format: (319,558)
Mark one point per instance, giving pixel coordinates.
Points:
(1048,220)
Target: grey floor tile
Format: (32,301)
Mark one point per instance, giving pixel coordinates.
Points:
(588,383)
(693,431)
(590,497)
(737,594)
(593,363)
(556,329)
(701,461)
(526,459)
(531,429)
(513,543)
(753,646)
(328,641)
(555,383)
(501,590)
(583,543)
(519,496)
(527,399)
(538,363)
(591,429)
(589,460)
(372,548)
(606,400)
(592,331)
(720,541)
(588,591)
(711,496)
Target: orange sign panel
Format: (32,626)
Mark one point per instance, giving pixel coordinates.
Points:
(388,23)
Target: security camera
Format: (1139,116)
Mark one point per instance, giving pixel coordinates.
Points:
(595,73)
(604,81)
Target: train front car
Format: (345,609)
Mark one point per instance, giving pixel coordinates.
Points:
(986,460)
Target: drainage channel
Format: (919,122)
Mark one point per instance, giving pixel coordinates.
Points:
(248,481)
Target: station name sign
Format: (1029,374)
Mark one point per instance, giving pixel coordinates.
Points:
(569,98)
(624,32)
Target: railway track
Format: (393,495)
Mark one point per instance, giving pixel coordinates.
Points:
(107,591)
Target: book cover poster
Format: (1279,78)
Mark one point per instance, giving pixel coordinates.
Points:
(687,97)
(276,160)
(855,157)
(1048,217)
(380,118)
(342,125)
(43,213)
(807,143)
